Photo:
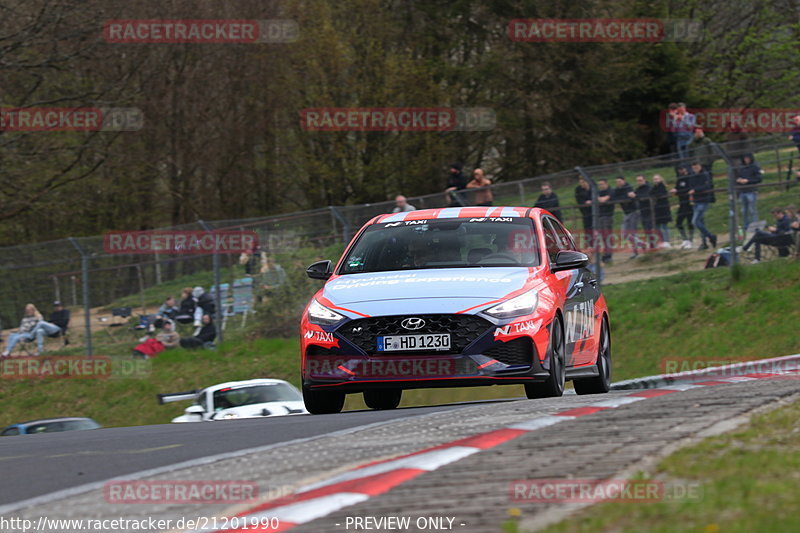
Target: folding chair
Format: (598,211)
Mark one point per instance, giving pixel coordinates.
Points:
(243,298)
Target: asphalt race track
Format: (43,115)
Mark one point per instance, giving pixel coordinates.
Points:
(478,450)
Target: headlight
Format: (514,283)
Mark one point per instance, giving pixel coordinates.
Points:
(321,315)
(521,305)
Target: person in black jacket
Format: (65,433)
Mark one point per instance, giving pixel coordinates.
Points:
(583,197)
(548,200)
(456,181)
(779,235)
(204,336)
(605,220)
(642,193)
(685,208)
(748,177)
(661,211)
(187,307)
(624,196)
(702,193)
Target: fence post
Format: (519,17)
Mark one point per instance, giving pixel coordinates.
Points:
(733,226)
(343,221)
(87,316)
(521,187)
(58,288)
(595,223)
(217,296)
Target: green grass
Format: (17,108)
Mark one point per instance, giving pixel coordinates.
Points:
(748,478)
(693,315)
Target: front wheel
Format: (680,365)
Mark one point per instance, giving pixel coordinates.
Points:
(553,386)
(602,382)
(383,398)
(323,402)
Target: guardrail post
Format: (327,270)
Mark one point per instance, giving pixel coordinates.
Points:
(87,314)
(343,221)
(731,202)
(217,296)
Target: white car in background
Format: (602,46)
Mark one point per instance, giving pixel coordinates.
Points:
(253,398)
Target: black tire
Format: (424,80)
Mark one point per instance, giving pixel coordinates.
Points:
(602,382)
(553,386)
(383,398)
(323,402)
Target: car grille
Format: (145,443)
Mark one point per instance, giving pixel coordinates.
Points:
(463,329)
(516,352)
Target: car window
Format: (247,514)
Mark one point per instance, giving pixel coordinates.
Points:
(10,431)
(565,241)
(444,243)
(550,239)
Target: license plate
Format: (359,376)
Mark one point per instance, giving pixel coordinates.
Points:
(402,343)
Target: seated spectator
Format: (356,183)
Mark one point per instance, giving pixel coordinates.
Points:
(188,305)
(167,311)
(548,200)
(205,304)
(166,338)
(55,326)
(778,235)
(401,205)
(25,333)
(203,337)
(484,195)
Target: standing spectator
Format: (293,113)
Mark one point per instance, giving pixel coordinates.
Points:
(701,149)
(401,205)
(483,196)
(702,193)
(749,176)
(456,181)
(684,128)
(672,138)
(605,220)
(685,208)
(642,195)
(583,197)
(778,235)
(30,319)
(203,337)
(624,196)
(661,212)
(56,324)
(795,133)
(548,200)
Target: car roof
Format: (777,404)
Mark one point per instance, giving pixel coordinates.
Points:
(459,212)
(259,381)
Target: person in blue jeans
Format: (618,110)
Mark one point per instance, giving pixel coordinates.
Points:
(749,176)
(29,321)
(56,324)
(702,192)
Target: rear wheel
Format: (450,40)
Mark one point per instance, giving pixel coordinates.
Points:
(554,384)
(323,402)
(383,398)
(602,382)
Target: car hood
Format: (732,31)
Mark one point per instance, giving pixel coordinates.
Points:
(478,284)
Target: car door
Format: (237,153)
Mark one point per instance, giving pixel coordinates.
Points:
(579,304)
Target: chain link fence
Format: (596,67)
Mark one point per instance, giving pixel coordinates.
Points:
(82,274)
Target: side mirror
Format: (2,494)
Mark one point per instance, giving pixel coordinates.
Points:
(569,260)
(195,410)
(320,270)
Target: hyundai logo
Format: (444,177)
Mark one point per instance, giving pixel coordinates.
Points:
(413,323)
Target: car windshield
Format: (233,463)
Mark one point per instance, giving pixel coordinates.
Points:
(444,243)
(239,396)
(62,425)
